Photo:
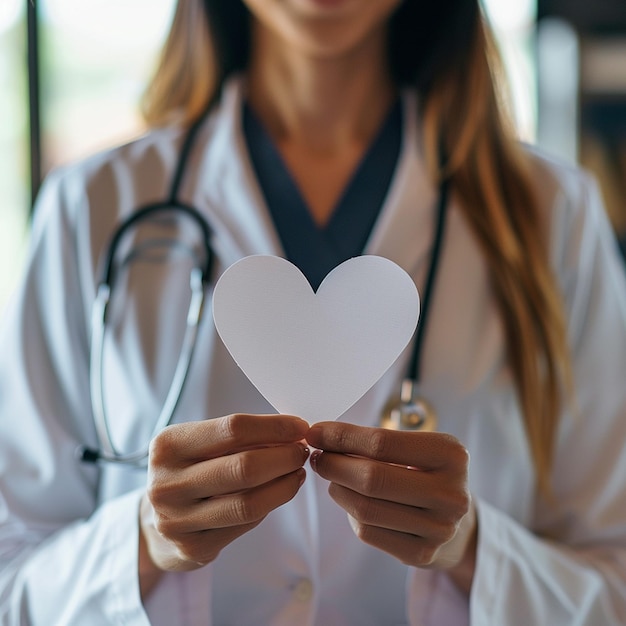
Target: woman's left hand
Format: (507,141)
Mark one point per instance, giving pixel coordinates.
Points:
(405,493)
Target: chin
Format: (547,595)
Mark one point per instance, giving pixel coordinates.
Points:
(324,28)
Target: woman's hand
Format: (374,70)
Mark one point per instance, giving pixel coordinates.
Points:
(210,482)
(405,492)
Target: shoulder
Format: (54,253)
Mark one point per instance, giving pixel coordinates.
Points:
(84,200)
(583,249)
(140,171)
(561,186)
(153,153)
(572,204)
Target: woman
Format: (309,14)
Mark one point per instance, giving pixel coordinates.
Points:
(369,111)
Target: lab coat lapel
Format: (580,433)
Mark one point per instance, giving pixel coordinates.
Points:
(404,229)
(237,211)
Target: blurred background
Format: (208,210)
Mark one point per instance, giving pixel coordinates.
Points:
(565,59)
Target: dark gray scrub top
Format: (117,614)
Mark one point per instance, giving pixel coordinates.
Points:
(315,249)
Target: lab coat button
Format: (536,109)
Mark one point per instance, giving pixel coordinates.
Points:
(303,590)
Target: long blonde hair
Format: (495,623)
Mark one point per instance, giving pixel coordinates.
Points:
(445,50)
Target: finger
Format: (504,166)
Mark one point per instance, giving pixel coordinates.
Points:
(393,516)
(409,549)
(426,450)
(229,474)
(231,510)
(203,547)
(429,490)
(192,441)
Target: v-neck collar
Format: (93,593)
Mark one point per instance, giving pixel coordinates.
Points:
(224,185)
(316,249)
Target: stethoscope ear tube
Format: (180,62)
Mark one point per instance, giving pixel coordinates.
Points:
(98,324)
(108,451)
(409,410)
(199,279)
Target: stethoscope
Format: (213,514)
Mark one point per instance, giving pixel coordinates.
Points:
(409,411)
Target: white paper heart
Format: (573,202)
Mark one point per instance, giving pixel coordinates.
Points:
(315,354)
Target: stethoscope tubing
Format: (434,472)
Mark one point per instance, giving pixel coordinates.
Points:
(107,275)
(414,368)
(199,279)
(108,452)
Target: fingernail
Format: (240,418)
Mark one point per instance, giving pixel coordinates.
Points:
(313,461)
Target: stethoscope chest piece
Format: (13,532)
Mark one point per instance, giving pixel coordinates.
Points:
(410,411)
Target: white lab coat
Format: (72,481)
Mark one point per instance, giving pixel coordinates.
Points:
(68,531)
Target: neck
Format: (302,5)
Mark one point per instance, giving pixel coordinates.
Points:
(324,104)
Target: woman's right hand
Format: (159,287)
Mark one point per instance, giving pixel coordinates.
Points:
(210,482)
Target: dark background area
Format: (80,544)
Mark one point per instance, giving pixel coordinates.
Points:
(602,112)
(587,16)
